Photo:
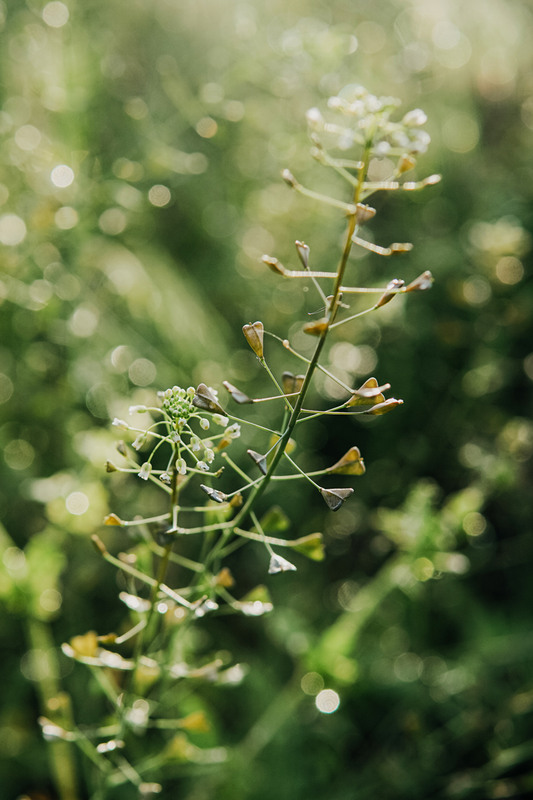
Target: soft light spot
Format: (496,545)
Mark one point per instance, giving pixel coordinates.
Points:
(121,358)
(112,221)
(528,366)
(509,270)
(66,218)
(136,108)
(77,503)
(327,701)
(474,523)
(83,322)
(15,562)
(40,292)
(476,290)
(423,569)
(371,37)
(456,55)
(12,230)
(159,195)
(55,14)
(445,35)
(6,388)
(460,132)
(27,137)
(50,600)
(206,127)
(142,372)
(312,683)
(408,667)
(234,110)
(195,163)
(35,665)
(212,93)
(62,176)
(19,454)
(128,170)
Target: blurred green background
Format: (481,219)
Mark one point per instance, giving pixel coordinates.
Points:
(142,143)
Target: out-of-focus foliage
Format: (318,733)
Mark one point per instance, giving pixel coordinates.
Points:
(141,150)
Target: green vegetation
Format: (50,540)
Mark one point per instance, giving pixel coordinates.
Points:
(140,188)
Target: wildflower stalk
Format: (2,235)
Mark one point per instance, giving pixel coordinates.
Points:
(230,518)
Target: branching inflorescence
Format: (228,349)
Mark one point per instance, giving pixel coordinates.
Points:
(190,432)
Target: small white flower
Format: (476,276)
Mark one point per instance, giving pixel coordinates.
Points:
(209,455)
(137,409)
(195,444)
(218,419)
(204,424)
(234,431)
(181,466)
(203,466)
(119,423)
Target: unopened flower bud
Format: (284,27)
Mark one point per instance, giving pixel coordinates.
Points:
(119,423)
(415,118)
(145,471)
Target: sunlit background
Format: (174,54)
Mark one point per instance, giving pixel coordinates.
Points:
(142,145)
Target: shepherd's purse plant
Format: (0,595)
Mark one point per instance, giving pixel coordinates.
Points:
(191,444)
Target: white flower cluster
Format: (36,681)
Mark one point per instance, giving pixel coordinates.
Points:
(369,123)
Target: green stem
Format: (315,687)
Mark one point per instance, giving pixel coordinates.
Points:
(258,491)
